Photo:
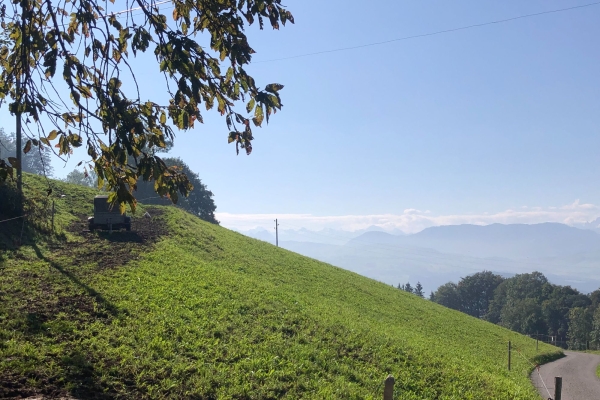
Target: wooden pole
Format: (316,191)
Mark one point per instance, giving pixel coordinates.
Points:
(509,355)
(53,210)
(19,95)
(557,387)
(537,339)
(388,391)
(19,145)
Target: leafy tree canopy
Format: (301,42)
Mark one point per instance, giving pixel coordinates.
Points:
(529,304)
(86,49)
(447,295)
(82,178)
(477,291)
(580,328)
(199,201)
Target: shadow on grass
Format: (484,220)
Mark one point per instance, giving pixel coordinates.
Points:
(77,372)
(110,308)
(81,379)
(34,323)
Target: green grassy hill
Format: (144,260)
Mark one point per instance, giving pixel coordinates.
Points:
(184,309)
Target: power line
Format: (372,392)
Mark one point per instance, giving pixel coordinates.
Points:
(429,34)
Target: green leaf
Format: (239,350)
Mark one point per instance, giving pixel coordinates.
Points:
(258,116)
(52,135)
(274,87)
(229,75)
(250,105)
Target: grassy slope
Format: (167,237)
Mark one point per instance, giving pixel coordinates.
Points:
(209,313)
(598,367)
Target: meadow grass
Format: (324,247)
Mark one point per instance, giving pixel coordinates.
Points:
(204,312)
(598,367)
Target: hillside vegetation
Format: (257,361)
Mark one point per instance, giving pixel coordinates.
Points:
(181,308)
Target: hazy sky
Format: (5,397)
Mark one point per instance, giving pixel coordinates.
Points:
(478,121)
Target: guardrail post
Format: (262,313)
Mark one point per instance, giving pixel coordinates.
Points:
(557,387)
(388,391)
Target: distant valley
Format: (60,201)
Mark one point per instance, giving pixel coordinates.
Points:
(436,255)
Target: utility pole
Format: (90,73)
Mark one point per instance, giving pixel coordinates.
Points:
(276,234)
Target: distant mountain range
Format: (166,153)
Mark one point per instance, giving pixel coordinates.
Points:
(594,225)
(434,256)
(517,241)
(329,236)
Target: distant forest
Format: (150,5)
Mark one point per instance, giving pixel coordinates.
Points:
(528,304)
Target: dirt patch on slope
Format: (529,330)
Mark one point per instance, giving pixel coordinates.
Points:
(45,308)
(110,250)
(78,261)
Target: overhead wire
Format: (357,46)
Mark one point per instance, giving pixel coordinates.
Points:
(500,21)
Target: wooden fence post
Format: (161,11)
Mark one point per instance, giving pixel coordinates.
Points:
(509,355)
(388,391)
(557,387)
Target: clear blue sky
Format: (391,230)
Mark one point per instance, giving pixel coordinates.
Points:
(480,120)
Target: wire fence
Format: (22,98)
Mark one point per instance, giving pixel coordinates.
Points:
(536,368)
(390,392)
(12,219)
(555,340)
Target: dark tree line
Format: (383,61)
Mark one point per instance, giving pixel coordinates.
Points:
(529,304)
(199,200)
(418,289)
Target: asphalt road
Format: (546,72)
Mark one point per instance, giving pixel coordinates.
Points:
(578,372)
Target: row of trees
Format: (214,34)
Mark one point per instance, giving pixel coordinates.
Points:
(199,201)
(418,289)
(529,304)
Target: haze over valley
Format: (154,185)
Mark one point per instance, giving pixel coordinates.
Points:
(436,255)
